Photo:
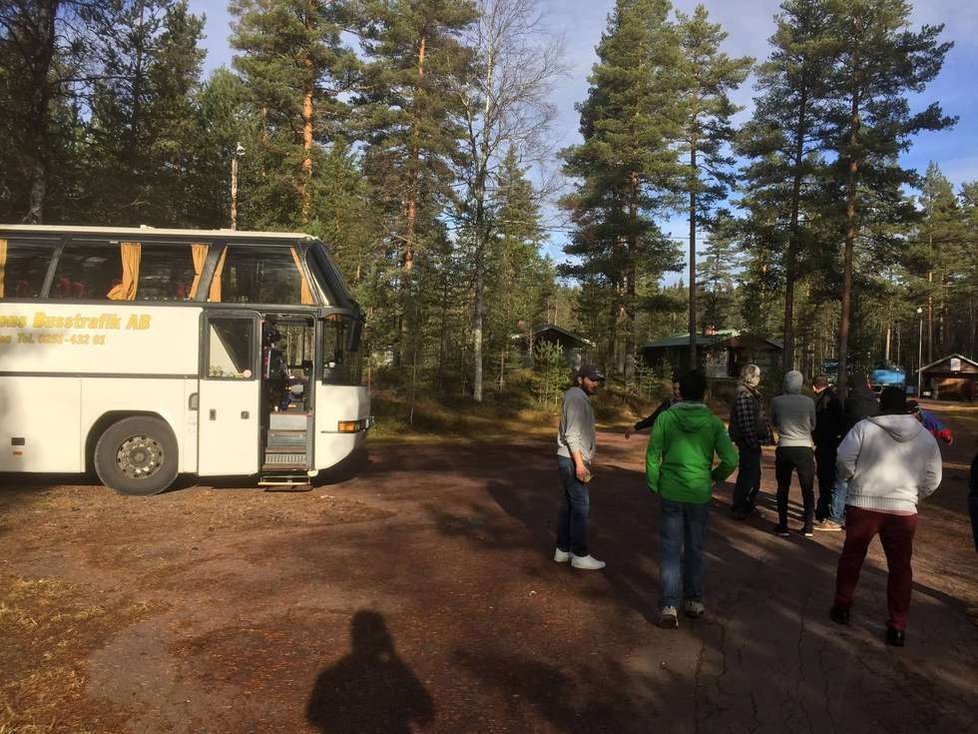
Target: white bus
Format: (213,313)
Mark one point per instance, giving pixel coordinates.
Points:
(147,353)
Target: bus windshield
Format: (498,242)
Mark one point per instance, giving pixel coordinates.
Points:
(342,364)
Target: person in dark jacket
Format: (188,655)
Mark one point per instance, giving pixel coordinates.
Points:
(861,403)
(830,420)
(748,430)
(649,421)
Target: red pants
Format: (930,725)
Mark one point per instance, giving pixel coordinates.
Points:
(896,535)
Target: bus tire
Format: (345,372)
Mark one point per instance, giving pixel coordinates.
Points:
(137,456)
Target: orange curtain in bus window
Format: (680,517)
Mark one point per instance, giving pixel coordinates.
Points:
(3,265)
(126,290)
(305,294)
(199,252)
(215,293)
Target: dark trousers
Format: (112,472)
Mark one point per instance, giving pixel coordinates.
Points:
(748,479)
(896,534)
(800,459)
(574,507)
(682,528)
(825,457)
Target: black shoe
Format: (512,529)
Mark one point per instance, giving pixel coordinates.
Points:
(895,637)
(781,531)
(808,531)
(839,615)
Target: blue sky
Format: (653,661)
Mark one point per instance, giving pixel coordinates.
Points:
(749,24)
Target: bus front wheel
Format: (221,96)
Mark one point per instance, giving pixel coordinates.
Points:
(137,456)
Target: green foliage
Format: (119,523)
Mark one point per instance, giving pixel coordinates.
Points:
(552,368)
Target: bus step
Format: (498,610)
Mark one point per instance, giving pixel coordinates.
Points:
(288,421)
(274,460)
(284,481)
(292,443)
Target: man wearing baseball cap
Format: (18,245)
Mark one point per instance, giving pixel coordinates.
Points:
(575,449)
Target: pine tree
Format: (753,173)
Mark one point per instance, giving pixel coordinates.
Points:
(518,276)
(410,112)
(294,63)
(879,62)
(786,139)
(716,287)
(627,166)
(41,60)
(708,75)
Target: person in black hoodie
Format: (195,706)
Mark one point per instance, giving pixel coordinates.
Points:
(830,422)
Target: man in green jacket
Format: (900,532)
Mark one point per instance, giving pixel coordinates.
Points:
(679,468)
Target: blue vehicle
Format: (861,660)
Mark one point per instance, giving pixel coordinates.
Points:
(888,375)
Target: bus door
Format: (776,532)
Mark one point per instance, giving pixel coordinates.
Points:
(229,421)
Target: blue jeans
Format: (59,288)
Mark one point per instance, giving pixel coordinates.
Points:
(683,528)
(837,509)
(574,507)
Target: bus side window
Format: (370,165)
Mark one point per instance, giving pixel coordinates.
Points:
(166,273)
(22,268)
(87,271)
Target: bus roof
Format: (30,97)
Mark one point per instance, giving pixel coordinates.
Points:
(153,231)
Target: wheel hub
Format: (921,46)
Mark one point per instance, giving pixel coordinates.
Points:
(139,457)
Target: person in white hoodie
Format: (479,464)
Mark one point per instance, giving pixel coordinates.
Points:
(891,463)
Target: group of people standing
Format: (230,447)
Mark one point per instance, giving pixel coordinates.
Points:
(874,461)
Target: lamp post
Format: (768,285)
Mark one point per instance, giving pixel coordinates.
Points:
(238,152)
(920,351)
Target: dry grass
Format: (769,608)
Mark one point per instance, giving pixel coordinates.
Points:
(48,630)
(513,414)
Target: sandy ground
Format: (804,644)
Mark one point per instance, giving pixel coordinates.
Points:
(421,596)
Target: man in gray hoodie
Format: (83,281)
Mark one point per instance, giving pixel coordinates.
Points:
(575,449)
(793,416)
(891,463)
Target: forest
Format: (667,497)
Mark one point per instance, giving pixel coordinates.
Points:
(415,137)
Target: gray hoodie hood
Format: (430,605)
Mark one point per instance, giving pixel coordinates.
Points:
(901,428)
(793,381)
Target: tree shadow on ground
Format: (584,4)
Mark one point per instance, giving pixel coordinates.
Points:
(371,689)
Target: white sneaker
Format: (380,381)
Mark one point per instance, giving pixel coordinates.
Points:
(694,609)
(587,563)
(561,556)
(669,618)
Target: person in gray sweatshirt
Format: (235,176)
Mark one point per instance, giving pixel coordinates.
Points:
(793,417)
(575,450)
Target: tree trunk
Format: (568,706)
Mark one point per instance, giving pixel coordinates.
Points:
(788,355)
(38,113)
(630,281)
(480,306)
(692,255)
(305,195)
(930,319)
(407,325)
(843,379)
